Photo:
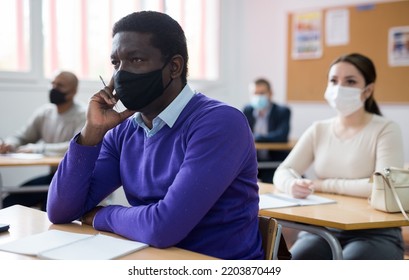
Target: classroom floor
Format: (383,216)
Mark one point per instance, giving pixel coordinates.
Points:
(290,236)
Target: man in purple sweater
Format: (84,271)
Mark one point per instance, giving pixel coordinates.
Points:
(187,163)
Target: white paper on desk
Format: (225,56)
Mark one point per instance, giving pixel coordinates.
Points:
(56,244)
(97,247)
(279,200)
(34,244)
(270,200)
(23,155)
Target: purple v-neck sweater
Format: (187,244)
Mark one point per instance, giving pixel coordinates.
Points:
(193,186)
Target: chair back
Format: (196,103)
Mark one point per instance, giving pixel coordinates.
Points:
(270,231)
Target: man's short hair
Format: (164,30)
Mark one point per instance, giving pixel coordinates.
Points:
(167,35)
(262,81)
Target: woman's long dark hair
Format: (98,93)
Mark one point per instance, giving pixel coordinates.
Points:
(366,67)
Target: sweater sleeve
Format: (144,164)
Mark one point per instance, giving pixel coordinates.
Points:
(351,187)
(70,195)
(30,132)
(72,124)
(389,149)
(299,159)
(60,147)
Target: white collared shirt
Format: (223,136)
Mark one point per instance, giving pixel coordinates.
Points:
(261,121)
(169,115)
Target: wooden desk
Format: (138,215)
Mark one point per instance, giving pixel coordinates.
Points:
(26,221)
(276,146)
(273,146)
(349,213)
(10,161)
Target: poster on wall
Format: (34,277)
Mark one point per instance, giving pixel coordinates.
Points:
(307,35)
(337,27)
(398,46)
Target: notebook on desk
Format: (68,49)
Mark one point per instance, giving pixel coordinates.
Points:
(23,155)
(279,200)
(62,245)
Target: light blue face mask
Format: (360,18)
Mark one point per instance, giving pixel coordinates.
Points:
(259,102)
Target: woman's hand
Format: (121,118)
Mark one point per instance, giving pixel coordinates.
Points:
(302,188)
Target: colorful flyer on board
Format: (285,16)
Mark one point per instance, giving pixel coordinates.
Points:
(307,35)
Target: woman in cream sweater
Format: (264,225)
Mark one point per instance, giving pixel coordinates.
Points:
(345,151)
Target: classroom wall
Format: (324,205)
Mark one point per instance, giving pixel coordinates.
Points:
(254,43)
(263,46)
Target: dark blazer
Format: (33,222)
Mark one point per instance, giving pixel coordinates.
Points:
(278,123)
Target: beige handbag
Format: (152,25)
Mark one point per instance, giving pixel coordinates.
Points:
(390,190)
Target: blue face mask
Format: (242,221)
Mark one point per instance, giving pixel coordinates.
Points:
(259,102)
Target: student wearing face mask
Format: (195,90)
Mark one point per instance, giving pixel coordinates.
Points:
(269,122)
(190,180)
(48,132)
(345,151)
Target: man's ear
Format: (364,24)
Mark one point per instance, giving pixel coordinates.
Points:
(176,66)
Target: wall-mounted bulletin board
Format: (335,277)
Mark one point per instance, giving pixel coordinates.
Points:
(368,32)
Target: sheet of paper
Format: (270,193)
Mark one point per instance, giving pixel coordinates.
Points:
(279,200)
(23,155)
(313,199)
(337,27)
(98,247)
(56,244)
(34,244)
(270,200)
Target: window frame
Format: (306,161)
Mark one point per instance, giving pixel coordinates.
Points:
(36,55)
(36,76)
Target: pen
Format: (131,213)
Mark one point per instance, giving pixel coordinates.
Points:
(295,173)
(298,176)
(102,80)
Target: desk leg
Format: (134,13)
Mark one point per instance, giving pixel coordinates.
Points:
(321,231)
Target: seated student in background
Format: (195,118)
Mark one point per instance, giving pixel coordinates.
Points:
(345,151)
(48,131)
(190,181)
(269,122)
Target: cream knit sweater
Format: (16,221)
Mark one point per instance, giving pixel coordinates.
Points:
(344,166)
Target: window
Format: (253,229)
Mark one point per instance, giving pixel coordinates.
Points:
(15,46)
(76,34)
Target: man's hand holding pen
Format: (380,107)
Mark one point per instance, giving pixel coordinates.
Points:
(101,116)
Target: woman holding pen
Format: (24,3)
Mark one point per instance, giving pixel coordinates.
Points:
(345,151)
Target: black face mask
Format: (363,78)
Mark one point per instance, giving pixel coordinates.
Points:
(57,97)
(139,90)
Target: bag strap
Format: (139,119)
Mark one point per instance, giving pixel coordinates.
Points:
(395,195)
